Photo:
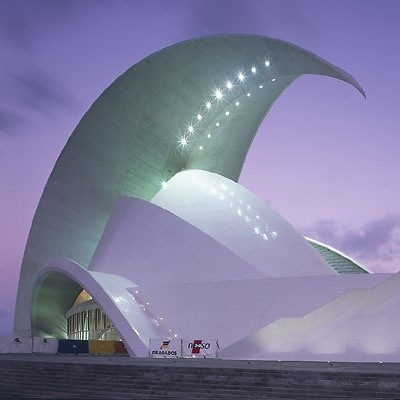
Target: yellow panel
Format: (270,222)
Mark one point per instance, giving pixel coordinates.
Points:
(101,346)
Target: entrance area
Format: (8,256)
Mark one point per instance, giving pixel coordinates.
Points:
(86,320)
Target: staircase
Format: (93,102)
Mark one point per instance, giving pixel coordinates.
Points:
(127,378)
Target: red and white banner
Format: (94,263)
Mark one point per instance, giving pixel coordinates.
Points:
(165,348)
(200,348)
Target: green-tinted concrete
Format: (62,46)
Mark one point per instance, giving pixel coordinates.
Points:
(128,143)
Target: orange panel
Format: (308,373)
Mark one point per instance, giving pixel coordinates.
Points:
(101,346)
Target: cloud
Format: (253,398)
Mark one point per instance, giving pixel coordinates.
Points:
(21,20)
(272,18)
(31,90)
(211,17)
(373,236)
(325,229)
(377,241)
(9,121)
(37,90)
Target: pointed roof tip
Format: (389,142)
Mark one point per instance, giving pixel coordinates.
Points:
(346,77)
(359,88)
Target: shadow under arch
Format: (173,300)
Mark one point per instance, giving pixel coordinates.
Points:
(109,292)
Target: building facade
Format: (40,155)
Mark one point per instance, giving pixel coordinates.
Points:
(143,232)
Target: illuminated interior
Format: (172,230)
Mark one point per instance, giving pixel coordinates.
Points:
(86,320)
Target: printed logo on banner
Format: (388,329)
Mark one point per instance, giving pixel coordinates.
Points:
(160,348)
(165,344)
(206,348)
(197,345)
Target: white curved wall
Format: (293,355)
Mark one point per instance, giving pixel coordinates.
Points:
(271,318)
(233,309)
(242,222)
(361,324)
(150,245)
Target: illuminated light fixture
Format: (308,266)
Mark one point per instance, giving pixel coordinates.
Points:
(209,136)
(267,63)
(248,94)
(273,79)
(163,184)
(257,217)
(200,147)
(199,117)
(227,113)
(253,70)
(190,129)
(218,94)
(217,124)
(256,231)
(247,219)
(175,336)
(264,236)
(241,76)
(237,103)
(183,142)
(239,212)
(136,291)
(261,86)
(208,105)
(229,85)
(144,308)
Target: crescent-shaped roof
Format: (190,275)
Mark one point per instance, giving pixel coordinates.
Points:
(194,105)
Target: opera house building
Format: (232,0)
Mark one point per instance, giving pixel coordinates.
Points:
(142,231)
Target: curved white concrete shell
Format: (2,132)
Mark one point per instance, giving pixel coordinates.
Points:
(197,104)
(150,246)
(144,200)
(110,293)
(246,224)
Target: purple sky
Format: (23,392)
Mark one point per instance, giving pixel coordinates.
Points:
(325,158)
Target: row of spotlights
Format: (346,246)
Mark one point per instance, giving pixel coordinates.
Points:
(218,94)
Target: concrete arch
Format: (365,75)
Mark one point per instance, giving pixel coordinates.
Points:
(129,140)
(109,292)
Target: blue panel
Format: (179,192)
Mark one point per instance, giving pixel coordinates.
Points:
(73,346)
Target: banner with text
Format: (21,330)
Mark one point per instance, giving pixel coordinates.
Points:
(200,348)
(165,348)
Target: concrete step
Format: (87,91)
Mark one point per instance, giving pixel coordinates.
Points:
(22,378)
